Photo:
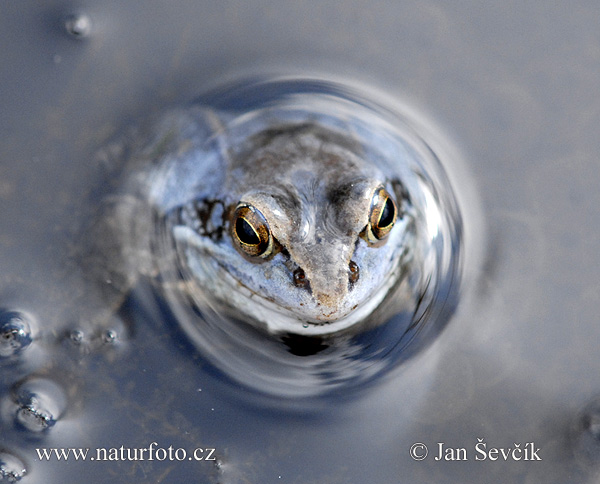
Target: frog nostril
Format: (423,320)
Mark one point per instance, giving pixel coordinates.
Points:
(353,272)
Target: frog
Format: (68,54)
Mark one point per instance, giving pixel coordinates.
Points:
(298,236)
(287,220)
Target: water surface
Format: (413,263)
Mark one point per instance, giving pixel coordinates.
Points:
(514,88)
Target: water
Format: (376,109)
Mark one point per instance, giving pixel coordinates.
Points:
(515,89)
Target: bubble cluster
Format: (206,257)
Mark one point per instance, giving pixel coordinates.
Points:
(85,341)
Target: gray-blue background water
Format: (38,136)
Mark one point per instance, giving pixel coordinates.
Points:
(515,89)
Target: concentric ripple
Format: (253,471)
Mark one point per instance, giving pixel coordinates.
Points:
(281,357)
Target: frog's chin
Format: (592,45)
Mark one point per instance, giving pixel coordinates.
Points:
(280,320)
(277,320)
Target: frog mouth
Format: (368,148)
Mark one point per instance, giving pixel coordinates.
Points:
(281,319)
(310,319)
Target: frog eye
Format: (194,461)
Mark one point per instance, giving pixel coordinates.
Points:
(250,231)
(382,217)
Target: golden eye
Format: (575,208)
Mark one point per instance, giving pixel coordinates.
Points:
(382,217)
(251,232)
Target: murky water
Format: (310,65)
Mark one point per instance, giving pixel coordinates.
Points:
(513,87)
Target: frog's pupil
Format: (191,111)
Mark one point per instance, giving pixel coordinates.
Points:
(354,272)
(387,215)
(245,232)
(300,278)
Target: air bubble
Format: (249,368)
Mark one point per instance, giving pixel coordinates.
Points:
(78,26)
(77,337)
(110,336)
(39,404)
(15,333)
(12,469)
(79,341)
